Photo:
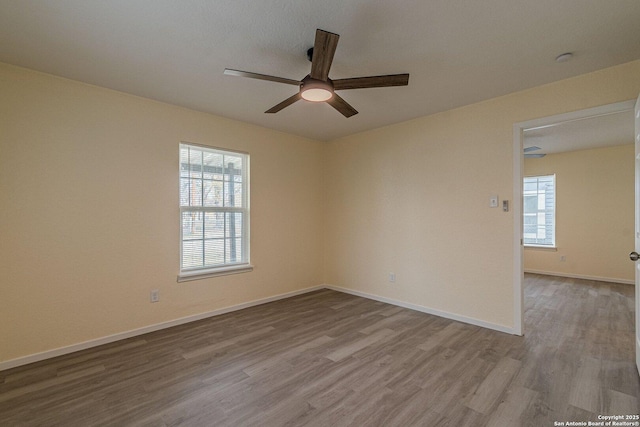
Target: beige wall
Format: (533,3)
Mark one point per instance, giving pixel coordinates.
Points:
(89,218)
(413,199)
(594,216)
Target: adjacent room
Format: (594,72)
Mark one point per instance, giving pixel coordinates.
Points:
(318,213)
(589,207)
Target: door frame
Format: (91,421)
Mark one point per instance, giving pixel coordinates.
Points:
(518,176)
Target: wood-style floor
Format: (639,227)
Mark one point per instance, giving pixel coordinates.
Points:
(332,359)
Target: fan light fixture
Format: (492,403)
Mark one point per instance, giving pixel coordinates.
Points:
(316,90)
(316,94)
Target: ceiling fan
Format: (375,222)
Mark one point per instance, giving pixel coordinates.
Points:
(528,152)
(317,86)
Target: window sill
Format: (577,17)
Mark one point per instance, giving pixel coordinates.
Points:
(542,248)
(214,272)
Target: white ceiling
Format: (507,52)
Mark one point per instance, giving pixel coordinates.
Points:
(592,132)
(457,51)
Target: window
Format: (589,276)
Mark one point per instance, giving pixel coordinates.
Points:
(539,200)
(214,212)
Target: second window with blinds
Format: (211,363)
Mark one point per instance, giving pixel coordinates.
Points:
(214,212)
(539,202)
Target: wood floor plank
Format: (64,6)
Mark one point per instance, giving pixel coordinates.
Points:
(442,335)
(585,392)
(225,343)
(265,364)
(620,403)
(510,411)
(353,347)
(49,383)
(494,385)
(329,358)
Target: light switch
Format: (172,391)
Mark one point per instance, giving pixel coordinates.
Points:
(493,201)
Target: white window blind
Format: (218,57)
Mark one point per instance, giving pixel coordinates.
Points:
(214,209)
(539,202)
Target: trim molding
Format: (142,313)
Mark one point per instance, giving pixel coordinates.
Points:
(581,276)
(225,271)
(518,249)
(427,310)
(37,357)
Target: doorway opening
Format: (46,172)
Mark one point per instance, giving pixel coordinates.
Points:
(523,133)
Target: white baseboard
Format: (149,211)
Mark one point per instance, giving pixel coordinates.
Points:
(580,276)
(427,310)
(12,363)
(8,364)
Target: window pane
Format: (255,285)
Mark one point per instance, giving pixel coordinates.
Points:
(214,252)
(234,225)
(530,204)
(237,196)
(195,193)
(192,254)
(195,161)
(237,221)
(211,165)
(530,220)
(218,170)
(184,191)
(233,194)
(184,162)
(234,250)
(233,167)
(544,181)
(214,225)
(192,225)
(212,193)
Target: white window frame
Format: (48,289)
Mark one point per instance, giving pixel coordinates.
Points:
(551,245)
(244,265)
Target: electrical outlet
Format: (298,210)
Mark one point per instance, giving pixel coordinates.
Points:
(563,258)
(155,295)
(392,277)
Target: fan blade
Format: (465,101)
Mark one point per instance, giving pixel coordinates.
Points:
(342,106)
(284,104)
(239,73)
(372,81)
(534,156)
(323,51)
(532,148)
